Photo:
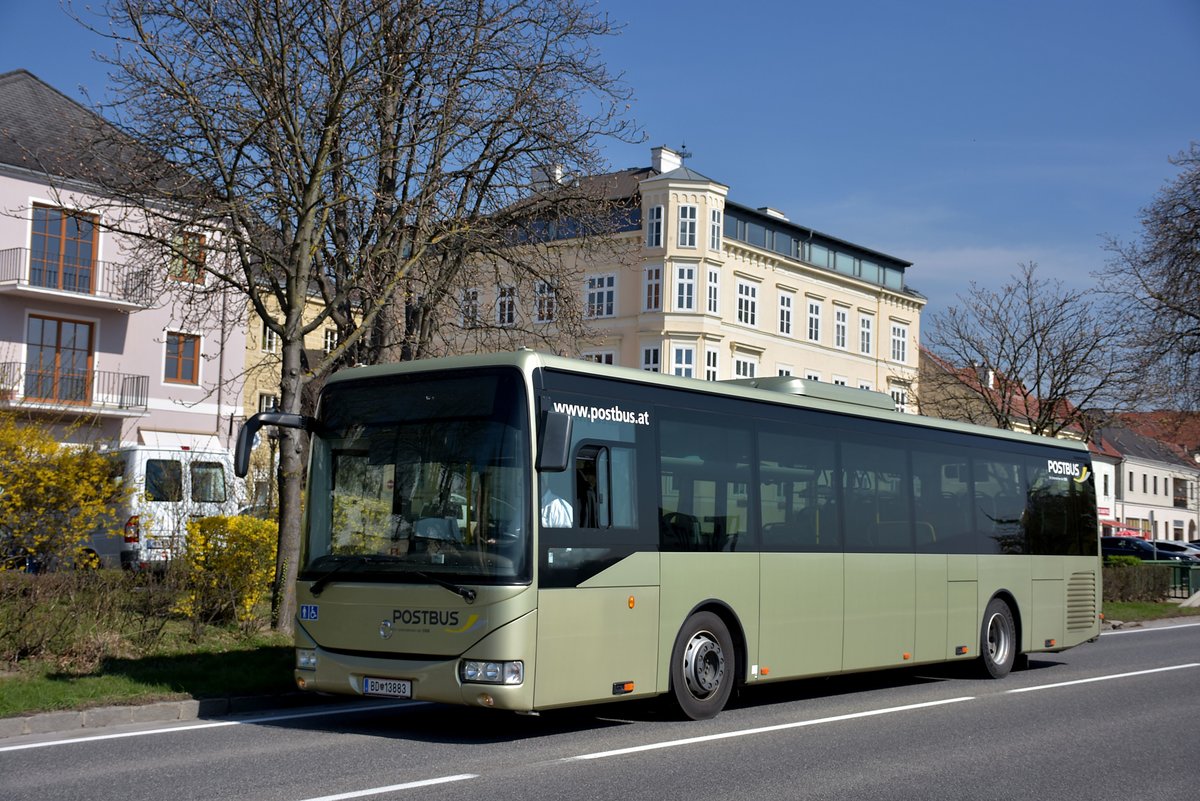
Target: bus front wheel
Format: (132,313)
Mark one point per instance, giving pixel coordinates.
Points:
(997,640)
(703,666)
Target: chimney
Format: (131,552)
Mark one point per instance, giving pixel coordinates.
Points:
(664,159)
(776,213)
(544,178)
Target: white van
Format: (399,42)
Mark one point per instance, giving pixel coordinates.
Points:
(168,487)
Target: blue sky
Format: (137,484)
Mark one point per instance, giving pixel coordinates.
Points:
(965,136)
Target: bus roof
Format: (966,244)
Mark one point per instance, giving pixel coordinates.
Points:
(780,390)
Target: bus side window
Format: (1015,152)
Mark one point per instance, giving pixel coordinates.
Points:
(591,494)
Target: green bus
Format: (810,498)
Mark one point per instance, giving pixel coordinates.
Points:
(525,532)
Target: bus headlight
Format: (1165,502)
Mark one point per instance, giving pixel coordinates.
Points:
(477,672)
(306,659)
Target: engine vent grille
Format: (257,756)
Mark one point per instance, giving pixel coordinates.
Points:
(1081,601)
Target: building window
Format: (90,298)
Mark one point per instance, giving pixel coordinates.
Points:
(506,306)
(470,308)
(899,342)
(747,300)
(840,325)
(58,360)
(744,366)
(652,284)
(268,403)
(600,356)
(685,361)
(786,302)
(182,363)
(812,375)
(783,369)
(839,381)
(62,249)
(685,288)
(900,397)
(601,295)
(714,290)
(710,364)
(866,327)
(650,359)
(187,264)
(331,340)
(654,227)
(545,302)
(687,226)
(715,224)
(866,385)
(270,339)
(814,321)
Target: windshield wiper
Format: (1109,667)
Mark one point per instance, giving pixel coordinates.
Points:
(467,593)
(317,586)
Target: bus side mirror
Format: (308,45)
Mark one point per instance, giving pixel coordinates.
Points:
(245,440)
(554,442)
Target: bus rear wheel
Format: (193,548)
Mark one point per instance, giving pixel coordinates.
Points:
(703,666)
(997,640)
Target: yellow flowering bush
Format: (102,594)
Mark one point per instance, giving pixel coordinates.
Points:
(52,496)
(229,564)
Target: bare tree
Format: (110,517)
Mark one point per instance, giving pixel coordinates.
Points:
(1032,355)
(359,152)
(1158,278)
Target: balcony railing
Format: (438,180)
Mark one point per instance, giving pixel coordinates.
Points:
(96,279)
(91,390)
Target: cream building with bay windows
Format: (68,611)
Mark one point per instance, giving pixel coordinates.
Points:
(723,291)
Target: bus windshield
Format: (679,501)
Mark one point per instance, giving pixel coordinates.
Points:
(421,479)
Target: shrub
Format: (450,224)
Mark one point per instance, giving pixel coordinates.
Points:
(1134,581)
(52,497)
(77,618)
(228,564)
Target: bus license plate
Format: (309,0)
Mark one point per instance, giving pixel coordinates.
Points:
(392,688)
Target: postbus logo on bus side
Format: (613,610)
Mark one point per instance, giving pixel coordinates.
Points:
(1060,469)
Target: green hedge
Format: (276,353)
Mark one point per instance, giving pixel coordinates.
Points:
(1134,581)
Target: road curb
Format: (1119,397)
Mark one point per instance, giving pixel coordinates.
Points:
(159,712)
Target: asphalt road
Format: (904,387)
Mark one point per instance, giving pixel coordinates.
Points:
(1116,719)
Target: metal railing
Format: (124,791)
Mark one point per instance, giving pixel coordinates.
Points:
(102,279)
(1185,579)
(24,386)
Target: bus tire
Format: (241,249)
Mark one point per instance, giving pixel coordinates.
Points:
(997,640)
(703,666)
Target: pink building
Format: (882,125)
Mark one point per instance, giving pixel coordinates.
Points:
(98,337)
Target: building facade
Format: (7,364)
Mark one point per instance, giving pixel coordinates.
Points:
(728,291)
(709,288)
(98,340)
(1154,489)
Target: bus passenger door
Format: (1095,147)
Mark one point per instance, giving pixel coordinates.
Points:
(598,602)
(596,643)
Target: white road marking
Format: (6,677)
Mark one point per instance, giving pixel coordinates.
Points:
(1140,630)
(314,713)
(394,787)
(1104,678)
(764,729)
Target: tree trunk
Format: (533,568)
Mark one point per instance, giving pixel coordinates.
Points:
(291,473)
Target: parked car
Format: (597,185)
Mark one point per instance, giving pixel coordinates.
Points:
(1132,546)
(168,487)
(1184,548)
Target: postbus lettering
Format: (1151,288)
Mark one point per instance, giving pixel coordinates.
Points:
(425,617)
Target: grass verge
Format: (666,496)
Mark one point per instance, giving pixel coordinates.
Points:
(225,665)
(1127,611)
